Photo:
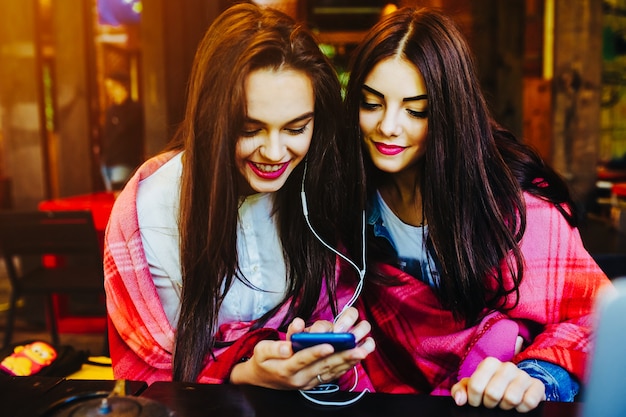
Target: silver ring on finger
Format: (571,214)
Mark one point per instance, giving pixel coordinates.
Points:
(319,378)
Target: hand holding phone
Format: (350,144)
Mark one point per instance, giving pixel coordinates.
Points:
(339,341)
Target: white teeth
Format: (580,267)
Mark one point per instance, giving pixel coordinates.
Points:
(268,168)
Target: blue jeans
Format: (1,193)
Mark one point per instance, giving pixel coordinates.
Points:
(560,386)
(115,176)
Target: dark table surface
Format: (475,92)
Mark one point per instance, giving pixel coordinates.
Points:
(36,396)
(41,396)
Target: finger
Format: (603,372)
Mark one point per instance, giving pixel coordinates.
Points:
(340,362)
(511,387)
(329,373)
(361,330)
(321,326)
(514,382)
(302,368)
(368,345)
(533,395)
(365,347)
(319,372)
(296,326)
(317,360)
(459,392)
(507,381)
(311,355)
(523,394)
(478,381)
(346,320)
(515,390)
(272,349)
(519,343)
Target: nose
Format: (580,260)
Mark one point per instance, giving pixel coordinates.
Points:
(389,125)
(272,148)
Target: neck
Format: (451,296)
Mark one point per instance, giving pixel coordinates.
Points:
(403,195)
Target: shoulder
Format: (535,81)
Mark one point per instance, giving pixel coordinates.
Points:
(535,203)
(547,230)
(158,193)
(139,187)
(538,208)
(155,163)
(161,172)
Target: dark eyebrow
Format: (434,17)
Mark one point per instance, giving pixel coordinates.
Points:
(305,116)
(371,90)
(381,95)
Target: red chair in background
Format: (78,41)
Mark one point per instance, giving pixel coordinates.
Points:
(100,205)
(26,237)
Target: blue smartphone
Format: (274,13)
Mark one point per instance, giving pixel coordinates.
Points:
(340,341)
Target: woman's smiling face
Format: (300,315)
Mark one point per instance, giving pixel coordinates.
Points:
(278,127)
(393,115)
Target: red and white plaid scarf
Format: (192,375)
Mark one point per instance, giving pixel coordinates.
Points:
(422,349)
(141,339)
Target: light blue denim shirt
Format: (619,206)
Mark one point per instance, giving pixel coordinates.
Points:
(559,384)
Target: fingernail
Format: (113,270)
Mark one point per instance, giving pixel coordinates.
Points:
(369,345)
(284,350)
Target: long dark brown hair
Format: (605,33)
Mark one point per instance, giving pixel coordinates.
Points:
(245,38)
(473,173)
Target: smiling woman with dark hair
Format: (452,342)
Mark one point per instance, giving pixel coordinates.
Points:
(208,255)
(479,285)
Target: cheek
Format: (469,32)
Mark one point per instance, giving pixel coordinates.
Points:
(367,121)
(239,154)
(244,148)
(422,133)
(301,147)
(243,152)
(417,131)
(306,146)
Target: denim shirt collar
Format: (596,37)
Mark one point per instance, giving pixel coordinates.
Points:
(426,271)
(375,221)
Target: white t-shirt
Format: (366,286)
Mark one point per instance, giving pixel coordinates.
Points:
(408,239)
(410,244)
(261,258)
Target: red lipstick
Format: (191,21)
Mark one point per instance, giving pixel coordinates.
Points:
(388,149)
(268,174)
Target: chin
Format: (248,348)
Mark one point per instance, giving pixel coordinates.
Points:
(266,188)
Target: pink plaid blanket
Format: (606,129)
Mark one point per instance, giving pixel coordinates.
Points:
(141,339)
(422,349)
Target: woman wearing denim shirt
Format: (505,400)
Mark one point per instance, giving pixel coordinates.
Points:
(479,286)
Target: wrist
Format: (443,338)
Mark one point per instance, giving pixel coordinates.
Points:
(238,372)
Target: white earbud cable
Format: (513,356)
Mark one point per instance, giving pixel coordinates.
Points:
(360,271)
(349,303)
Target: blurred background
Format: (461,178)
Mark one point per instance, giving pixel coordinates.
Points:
(554,72)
